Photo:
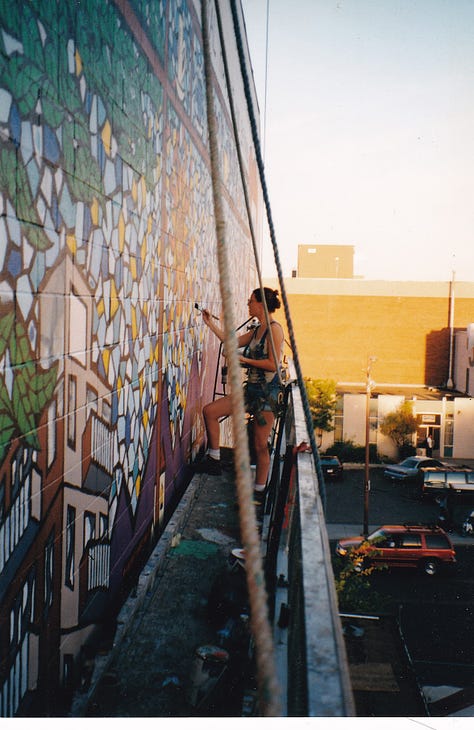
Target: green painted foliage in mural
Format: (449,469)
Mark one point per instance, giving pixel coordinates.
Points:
(85,179)
(152,17)
(40,75)
(7,421)
(7,324)
(31,390)
(14,181)
(97,32)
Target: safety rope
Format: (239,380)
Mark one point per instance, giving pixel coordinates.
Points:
(268,689)
(256,143)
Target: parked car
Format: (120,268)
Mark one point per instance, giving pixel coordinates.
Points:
(331,466)
(436,481)
(425,547)
(409,469)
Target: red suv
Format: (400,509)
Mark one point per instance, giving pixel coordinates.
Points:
(425,547)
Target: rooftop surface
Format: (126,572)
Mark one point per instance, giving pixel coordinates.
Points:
(151,669)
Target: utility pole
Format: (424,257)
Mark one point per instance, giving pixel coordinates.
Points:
(449,382)
(368,388)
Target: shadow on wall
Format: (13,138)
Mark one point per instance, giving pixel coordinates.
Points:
(437,357)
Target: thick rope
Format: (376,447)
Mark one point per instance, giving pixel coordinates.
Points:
(266,674)
(256,143)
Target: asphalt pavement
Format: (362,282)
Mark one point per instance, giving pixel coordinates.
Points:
(436,616)
(389,503)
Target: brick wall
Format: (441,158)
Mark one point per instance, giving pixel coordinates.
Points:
(409,336)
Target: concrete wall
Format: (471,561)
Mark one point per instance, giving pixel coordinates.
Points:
(463,373)
(107,240)
(463,428)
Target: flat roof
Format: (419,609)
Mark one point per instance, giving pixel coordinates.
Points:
(420,392)
(368,287)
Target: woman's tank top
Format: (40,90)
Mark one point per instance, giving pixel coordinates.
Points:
(258,350)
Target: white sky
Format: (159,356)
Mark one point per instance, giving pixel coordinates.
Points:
(369,134)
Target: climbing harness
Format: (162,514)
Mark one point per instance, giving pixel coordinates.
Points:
(258,391)
(223,369)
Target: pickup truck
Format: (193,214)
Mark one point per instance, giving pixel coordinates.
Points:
(435,481)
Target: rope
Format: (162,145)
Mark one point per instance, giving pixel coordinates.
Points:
(256,143)
(266,674)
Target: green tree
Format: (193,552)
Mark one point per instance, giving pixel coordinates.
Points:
(352,577)
(322,399)
(400,425)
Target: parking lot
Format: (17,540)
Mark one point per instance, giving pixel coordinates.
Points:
(389,502)
(436,613)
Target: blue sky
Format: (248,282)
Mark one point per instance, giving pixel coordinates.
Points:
(369,131)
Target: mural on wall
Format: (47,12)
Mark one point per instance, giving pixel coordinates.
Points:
(106,242)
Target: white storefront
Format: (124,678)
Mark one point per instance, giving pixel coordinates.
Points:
(450,421)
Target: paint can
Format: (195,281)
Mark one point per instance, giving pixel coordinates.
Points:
(210,663)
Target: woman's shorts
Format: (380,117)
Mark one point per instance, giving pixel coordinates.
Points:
(263,396)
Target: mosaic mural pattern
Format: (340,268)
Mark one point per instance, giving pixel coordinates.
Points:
(106,243)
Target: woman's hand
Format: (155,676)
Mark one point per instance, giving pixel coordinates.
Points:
(208,319)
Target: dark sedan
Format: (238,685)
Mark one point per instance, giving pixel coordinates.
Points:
(409,469)
(331,466)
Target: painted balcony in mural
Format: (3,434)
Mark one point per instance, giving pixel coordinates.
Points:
(107,240)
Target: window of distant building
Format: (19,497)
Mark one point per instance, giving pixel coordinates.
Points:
(339,420)
(448,434)
(373,420)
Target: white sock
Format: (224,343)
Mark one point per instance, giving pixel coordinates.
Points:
(214,454)
(260,487)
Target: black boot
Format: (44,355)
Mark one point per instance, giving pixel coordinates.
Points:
(208,466)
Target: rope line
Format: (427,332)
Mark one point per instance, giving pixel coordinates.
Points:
(266,674)
(256,142)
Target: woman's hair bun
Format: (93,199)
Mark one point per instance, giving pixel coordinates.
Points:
(271,297)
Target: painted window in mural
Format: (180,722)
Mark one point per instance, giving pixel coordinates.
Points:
(70,542)
(106,243)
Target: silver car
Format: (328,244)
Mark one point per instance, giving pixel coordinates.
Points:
(409,468)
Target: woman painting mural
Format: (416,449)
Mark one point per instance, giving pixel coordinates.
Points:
(261,392)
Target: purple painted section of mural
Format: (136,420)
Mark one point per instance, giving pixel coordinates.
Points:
(106,242)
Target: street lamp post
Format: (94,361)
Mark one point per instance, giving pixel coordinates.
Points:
(368,388)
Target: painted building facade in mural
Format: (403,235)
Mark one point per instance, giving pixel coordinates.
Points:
(106,243)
